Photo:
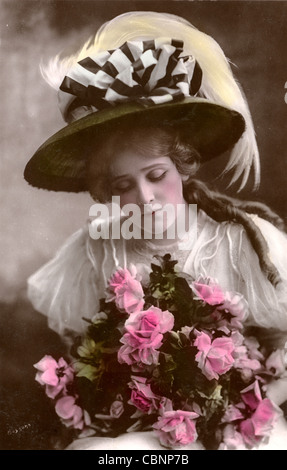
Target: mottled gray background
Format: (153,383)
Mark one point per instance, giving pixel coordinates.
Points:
(35,222)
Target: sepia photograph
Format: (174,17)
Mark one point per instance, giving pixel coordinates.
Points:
(143,215)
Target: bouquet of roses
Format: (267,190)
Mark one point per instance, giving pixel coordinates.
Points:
(170,356)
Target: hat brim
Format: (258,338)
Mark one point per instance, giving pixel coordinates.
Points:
(60,163)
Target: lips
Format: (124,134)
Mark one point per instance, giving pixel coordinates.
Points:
(151,209)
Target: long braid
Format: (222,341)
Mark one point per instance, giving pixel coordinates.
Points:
(254,207)
(222,208)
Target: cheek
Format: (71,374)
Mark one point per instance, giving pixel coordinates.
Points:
(127,198)
(172,188)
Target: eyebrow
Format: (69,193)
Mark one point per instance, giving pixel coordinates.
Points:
(142,169)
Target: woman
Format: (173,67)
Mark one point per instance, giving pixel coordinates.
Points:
(143,112)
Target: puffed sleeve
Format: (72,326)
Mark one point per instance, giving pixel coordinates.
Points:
(267,303)
(274,311)
(224,251)
(66,289)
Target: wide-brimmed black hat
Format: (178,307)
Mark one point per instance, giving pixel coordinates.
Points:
(142,83)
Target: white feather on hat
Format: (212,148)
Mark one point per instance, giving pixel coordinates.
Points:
(218,82)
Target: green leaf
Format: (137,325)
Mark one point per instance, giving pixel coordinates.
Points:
(87,348)
(87,370)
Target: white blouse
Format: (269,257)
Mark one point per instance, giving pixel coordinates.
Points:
(69,286)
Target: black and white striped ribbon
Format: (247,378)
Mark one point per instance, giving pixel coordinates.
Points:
(149,72)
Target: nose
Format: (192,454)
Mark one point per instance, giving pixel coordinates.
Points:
(145,194)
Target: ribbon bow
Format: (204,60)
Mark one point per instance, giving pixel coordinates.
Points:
(148,72)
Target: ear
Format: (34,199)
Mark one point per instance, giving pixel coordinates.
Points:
(184,178)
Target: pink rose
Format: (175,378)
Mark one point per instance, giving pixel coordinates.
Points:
(71,414)
(253,348)
(208,291)
(231,313)
(236,305)
(55,375)
(214,357)
(237,338)
(251,395)
(142,396)
(243,362)
(126,291)
(115,411)
(232,413)
(176,428)
(261,423)
(143,337)
(117,408)
(241,357)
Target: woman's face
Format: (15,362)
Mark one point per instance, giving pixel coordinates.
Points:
(145,180)
(151,182)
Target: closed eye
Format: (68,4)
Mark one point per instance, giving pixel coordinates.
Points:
(122,188)
(157,175)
